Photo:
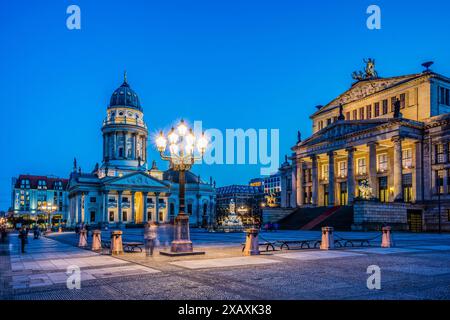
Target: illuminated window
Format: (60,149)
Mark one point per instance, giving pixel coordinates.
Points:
(343,168)
(325,172)
(407,158)
(440,181)
(369,111)
(439,149)
(377,109)
(362,169)
(385,106)
(382,162)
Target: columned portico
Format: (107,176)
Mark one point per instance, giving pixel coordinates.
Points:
(145,214)
(398,189)
(315,181)
(350,174)
(156,206)
(105,206)
(299,184)
(133,213)
(331,182)
(119,206)
(373,167)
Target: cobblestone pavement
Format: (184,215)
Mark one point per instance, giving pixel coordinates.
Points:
(417,268)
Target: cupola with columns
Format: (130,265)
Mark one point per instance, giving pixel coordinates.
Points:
(124,134)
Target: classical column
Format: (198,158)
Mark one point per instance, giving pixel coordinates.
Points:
(331,178)
(373,168)
(157,206)
(198,196)
(418,182)
(144,215)
(133,150)
(299,180)
(119,206)
(144,149)
(398,189)
(105,206)
(293,202)
(350,174)
(315,181)
(133,214)
(114,151)
(79,207)
(125,135)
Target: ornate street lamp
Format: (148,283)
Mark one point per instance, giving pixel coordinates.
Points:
(181,155)
(49,209)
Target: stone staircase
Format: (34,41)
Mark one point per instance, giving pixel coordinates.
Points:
(340,218)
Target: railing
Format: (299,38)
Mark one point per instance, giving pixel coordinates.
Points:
(125,120)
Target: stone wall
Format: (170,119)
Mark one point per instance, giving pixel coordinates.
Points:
(371,215)
(431,217)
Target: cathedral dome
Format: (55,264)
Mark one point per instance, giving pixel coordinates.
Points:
(124,96)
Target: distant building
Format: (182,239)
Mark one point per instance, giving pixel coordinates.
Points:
(30,193)
(271,187)
(248,202)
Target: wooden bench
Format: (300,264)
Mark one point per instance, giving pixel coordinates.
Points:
(267,244)
(132,246)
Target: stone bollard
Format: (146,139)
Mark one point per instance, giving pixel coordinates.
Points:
(327,239)
(82,242)
(386,240)
(116,242)
(251,242)
(96,240)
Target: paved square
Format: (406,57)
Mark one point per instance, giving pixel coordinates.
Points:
(386,250)
(317,255)
(418,268)
(225,262)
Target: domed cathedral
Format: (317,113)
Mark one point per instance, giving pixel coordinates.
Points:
(123,190)
(124,134)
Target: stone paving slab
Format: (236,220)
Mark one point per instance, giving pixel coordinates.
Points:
(317,255)
(437,247)
(386,250)
(224,262)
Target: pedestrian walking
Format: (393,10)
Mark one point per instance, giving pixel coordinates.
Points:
(150,237)
(23,236)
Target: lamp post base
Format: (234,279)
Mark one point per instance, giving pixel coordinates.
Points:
(182,244)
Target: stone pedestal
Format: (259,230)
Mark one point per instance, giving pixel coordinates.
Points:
(116,242)
(82,242)
(386,241)
(251,242)
(327,239)
(182,242)
(96,240)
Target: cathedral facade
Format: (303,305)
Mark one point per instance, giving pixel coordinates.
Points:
(382,147)
(123,190)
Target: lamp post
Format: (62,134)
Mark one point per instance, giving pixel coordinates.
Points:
(181,156)
(49,209)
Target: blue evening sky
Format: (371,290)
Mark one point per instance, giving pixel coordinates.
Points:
(232,64)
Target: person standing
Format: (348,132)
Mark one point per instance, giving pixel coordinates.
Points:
(23,236)
(150,237)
